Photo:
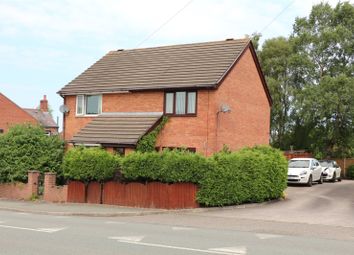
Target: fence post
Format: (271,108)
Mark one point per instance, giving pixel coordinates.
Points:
(33,178)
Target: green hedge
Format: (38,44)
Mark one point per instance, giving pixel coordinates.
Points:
(168,166)
(350,170)
(27,147)
(90,164)
(250,175)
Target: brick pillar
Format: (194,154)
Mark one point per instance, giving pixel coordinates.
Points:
(33,177)
(49,184)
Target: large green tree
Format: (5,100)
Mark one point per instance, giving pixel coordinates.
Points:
(329,108)
(276,59)
(27,147)
(310,77)
(324,42)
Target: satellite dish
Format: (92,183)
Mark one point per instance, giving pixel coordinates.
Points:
(225,108)
(63,108)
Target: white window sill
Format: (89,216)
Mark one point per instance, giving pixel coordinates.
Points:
(86,115)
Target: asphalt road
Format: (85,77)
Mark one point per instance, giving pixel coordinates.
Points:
(317,220)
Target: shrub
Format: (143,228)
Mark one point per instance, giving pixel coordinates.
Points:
(249,175)
(27,147)
(350,170)
(168,166)
(90,164)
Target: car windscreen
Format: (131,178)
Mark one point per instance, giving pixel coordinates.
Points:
(326,163)
(299,163)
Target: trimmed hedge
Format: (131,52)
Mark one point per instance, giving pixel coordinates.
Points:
(168,166)
(90,164)
(249,175)
(227,178)
(351,172)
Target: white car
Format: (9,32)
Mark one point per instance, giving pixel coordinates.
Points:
(304,171)
(331,170)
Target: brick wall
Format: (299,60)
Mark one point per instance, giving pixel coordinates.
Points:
(53,193)
(247,124)
(11,114)
(21,190)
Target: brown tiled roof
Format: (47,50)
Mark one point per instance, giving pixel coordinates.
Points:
(117,128)
(178,66)
(44,118)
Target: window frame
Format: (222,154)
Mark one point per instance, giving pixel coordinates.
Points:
(189,149)
(84,100)
(118,152)
(186,114)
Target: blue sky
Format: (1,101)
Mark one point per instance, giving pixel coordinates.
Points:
(45,44)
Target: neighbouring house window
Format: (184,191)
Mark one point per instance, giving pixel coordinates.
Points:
(1,131)
(120,151)
(181,103)
(88,105)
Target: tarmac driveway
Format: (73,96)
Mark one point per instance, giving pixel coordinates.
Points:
(327,204)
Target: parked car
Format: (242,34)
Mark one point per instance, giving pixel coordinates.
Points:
(331,170)
(304,171)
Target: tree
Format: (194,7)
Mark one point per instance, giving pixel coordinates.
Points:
(330,108)
(324,44)
(276,60)
(27,147)
(255,37)
(326,40)
(310,79)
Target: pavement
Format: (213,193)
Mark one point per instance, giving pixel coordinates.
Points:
(73,209)
(316,220)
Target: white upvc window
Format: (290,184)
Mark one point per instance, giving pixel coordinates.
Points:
(88,105)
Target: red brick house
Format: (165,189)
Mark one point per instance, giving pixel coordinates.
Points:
(12,114)
(214,93)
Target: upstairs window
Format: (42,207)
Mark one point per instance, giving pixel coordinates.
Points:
(88,104)
(181,103)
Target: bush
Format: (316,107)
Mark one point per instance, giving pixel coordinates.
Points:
(168,166)
(350,170)
(249,175)
(90,164)
(27,147)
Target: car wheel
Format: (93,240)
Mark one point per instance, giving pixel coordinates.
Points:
(320,181)
(309,182)
(334,177)
(339,179)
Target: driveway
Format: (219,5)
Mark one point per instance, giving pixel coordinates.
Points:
(327,204)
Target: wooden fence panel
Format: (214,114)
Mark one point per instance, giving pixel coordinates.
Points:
(135,194)
(151,195)
(190,197)
(76,192)
(111,193)
(94,193)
